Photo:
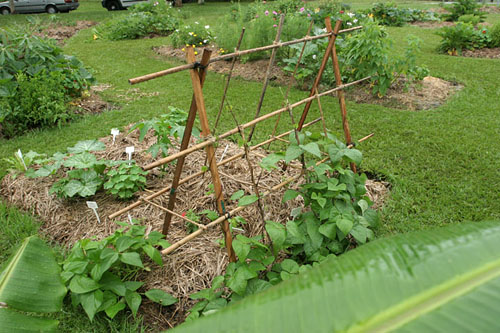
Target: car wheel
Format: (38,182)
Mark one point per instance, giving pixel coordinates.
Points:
(5,11)
(113,5)
(51,9)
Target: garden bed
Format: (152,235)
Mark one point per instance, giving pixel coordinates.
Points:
(193,266)
(492,53)
(428,94)
(432,24)
(62,32)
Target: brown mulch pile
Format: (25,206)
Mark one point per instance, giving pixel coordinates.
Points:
(62,32)
(251,70)
(91,104)
(493,53)
(428,94)
(191,267)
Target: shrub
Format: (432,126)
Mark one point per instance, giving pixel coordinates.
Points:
(195,35)
(464,7)
(38,101)
(36,82)
(461,37)
(144,19)
(470,18)
(389,14)
(495,35)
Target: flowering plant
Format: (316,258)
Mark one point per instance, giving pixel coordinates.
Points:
(194,35)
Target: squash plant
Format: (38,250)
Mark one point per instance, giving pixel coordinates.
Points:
(444,280)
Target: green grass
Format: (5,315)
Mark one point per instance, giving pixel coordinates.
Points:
(444,164)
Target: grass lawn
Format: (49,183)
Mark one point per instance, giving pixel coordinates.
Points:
(443,164)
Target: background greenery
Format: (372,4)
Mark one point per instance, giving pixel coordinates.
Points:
(443,164)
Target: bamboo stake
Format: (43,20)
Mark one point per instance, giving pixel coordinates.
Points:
(175,214)
(233,62)
(199,173)
(338,79)
(321,113)
(211,141)
(185,143)
(212,163)
(234,54)
(266,78)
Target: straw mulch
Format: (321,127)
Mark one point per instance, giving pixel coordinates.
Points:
(193,266)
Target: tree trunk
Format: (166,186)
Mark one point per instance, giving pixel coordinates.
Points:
(178,3)
(11,5)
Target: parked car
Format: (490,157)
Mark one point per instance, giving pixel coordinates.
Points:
(39,6)
(119,4)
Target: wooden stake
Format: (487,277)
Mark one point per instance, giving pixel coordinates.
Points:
(212,163)
(185,143)
(338,79)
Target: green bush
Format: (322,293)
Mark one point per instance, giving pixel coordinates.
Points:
(39,101)
(144,19)
(389,14)
(495,35)
(36,82)
(462,36)
(470,18)
(464,7)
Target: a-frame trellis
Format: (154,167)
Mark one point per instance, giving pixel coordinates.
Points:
(198,73)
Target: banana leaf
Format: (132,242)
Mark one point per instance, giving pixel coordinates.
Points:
(30,282)
(441,280)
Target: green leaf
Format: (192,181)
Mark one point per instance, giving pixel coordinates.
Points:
(91,302)
(344,225)
(124,242)
(13,321)
(154,254)
(30,281)
(241,249)
(269,162)
(360,233)
(293,152)
(238,194)
(109,281)
(131,258)
(438,279)
(312,148)
(88,145)
(294,233)
(328,230)
(81,284)
(114,309)
(247,200)
(353,155)
(81,161)
(372,217)
(215,305)
(161,297)
(290,195)
(290,266)
(277,233)
(133,300)
(238,282)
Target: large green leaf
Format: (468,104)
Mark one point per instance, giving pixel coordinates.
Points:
(30,282)
(442,280)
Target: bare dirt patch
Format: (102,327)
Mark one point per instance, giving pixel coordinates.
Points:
(193,266)
(493,53)
(428,94)
(62,32)
(253,71)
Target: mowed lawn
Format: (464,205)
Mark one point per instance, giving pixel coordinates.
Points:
(443,164)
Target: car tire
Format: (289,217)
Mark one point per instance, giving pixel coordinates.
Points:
(5,11)
(51,10)
(113,5)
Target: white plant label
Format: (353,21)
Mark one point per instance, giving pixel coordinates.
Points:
(114,133)
(130,218)
(224,153)
(20,154)
(93,205)
(129,151)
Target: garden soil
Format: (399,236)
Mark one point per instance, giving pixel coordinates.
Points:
(191,267)
(62,32)
(493,53)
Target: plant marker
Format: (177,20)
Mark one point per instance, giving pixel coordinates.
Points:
(130,218)
(114,133)
(129,151)
(224,153)
(239,230)
(93,205)
(20,154)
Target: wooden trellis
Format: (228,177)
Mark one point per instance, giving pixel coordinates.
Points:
(198,72)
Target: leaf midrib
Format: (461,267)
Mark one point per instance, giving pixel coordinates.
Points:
(420,304)
(7,273)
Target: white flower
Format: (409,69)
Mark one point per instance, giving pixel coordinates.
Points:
(355,21)
(349,23)
(205,41)
(207,27)
(196,23)
(190,34)
(350,14)
(324,30)
(314,56)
